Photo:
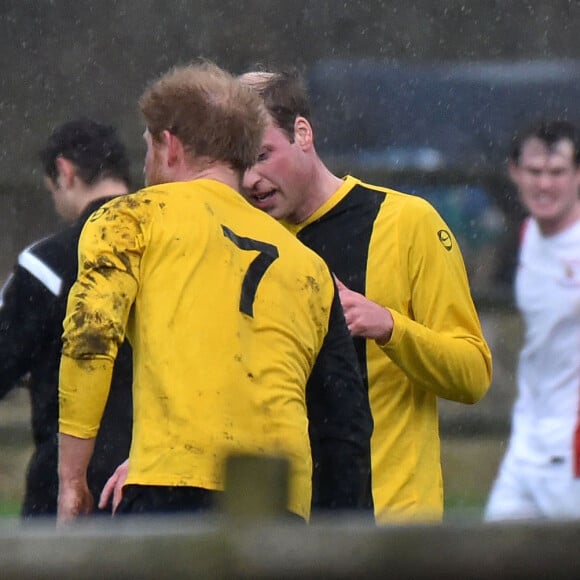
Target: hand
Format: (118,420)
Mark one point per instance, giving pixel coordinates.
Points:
(74,500)
(364,317)
(114,485)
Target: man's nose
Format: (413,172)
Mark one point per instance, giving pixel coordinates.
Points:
(250,179)
(545,179)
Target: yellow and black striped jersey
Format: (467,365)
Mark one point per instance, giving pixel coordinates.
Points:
(396,250)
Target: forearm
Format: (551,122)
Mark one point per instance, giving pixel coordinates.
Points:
(24,318)
(454,364)
(83,390)
(74,497)
(74,455)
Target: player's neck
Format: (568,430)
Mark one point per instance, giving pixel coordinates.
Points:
(215,171)
(104,188)
(322,187)
(107,187)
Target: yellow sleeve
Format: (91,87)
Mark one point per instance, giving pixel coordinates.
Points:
(83,392)
(98,308)
(441,347)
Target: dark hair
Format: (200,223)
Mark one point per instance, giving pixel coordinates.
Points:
(94,148)
(284,93)
(549,132)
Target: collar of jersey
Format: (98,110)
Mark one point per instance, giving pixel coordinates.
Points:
(348,183)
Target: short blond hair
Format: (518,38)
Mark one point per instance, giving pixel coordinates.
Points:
(212,113)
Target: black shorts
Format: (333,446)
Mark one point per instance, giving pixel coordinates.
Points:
(159,499)
(144,499)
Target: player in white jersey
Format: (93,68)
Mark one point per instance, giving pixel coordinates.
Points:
(540,473)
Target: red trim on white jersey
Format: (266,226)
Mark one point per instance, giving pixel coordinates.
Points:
(576,443)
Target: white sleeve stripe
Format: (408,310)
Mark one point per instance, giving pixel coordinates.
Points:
(5,285)
(41,271)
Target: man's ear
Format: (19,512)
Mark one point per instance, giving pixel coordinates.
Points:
(66,172)
(174,147)
(303,133)
(513,171)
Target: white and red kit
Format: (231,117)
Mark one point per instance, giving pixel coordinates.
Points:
(540,474)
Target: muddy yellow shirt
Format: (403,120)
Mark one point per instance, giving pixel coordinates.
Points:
(226,312)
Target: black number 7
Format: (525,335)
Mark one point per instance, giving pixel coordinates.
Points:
(268,253)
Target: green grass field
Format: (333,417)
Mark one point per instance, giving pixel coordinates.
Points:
(469,468)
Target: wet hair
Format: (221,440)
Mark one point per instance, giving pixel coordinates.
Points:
(210,111)
(94,148)
(284,93)
(550,133)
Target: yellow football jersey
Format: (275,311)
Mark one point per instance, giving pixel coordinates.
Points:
(396,250)
(226,312)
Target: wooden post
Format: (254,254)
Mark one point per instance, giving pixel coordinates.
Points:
(256,488)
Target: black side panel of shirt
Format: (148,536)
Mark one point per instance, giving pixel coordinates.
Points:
(340,423)
(342,237)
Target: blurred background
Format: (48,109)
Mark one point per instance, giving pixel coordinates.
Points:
(418,95)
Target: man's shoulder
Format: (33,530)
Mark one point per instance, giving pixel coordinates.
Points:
(142,204)
(53,259)
(45,248)
(358,186)
(55,245)
(395,200)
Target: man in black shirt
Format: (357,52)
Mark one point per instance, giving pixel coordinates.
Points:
(84,164)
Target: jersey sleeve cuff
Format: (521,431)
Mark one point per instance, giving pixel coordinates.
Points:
(398,331)
(83,391)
